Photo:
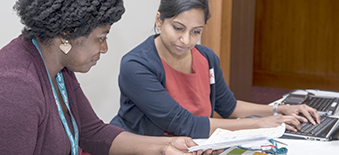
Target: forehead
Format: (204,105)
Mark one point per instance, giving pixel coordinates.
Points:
(191,17)
(97,32)
(101,30)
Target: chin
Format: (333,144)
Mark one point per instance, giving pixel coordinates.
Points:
(83,70)
(86,71)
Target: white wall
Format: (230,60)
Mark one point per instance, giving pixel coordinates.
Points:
(10,22)
(100,84)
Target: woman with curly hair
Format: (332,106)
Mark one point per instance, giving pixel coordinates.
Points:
(42,107)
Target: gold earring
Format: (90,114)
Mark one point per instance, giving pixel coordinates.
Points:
(65,47)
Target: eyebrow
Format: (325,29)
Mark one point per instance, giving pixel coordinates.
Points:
(185,26)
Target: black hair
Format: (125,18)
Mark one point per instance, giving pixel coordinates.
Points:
(68,19)
(172,8)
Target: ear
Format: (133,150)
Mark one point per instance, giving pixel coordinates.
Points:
(158,22)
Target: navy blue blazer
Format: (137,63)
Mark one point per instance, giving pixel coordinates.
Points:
(147,109)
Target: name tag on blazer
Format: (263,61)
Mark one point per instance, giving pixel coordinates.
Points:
(212,79)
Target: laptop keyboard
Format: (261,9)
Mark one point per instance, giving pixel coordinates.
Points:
(319,103)
(318,130)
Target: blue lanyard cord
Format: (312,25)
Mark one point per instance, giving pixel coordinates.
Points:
(62,89)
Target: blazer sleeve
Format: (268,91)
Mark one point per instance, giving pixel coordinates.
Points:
(222,98)
(225,101)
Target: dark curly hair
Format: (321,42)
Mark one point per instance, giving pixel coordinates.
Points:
(69,19)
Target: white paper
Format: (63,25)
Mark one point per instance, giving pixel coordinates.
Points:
(222,138)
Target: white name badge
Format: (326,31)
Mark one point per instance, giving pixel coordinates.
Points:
(212,79)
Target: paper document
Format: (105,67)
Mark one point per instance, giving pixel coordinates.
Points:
(222,138)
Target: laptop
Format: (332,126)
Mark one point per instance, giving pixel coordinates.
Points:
(327,130)
(325,105)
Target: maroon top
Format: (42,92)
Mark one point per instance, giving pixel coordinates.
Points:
(29,119)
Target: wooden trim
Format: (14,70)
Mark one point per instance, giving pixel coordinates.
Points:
(230,32)
(293,81)
(211,35)
(217,32)
(225,51)
(242,38)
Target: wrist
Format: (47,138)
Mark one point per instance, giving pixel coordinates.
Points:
(283,109)
(165,145)
(257,123)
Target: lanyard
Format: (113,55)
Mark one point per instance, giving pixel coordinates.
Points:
(61,85)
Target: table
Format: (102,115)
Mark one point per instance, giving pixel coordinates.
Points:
(307,147)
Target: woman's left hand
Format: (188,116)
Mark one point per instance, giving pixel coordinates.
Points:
(295,110)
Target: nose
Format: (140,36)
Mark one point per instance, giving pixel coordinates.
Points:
(185,38)
(104,47)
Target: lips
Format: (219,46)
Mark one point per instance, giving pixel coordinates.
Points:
(180,48)
(95,61)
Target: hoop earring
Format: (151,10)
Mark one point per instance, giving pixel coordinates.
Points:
(65,47)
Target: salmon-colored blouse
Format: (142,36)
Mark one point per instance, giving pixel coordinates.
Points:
(191,91)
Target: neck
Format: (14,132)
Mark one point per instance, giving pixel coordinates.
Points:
(182,63)
(50,57)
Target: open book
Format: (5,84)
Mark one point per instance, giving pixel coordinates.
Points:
(222,138)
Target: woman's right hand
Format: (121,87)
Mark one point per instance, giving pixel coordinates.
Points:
(180,145)
(276,120)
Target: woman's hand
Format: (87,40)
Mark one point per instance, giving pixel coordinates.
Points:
(154,145)
(295,111)
(291,117)
(276,120)
(180,145)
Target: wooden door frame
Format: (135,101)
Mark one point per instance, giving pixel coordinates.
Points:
(230,33)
